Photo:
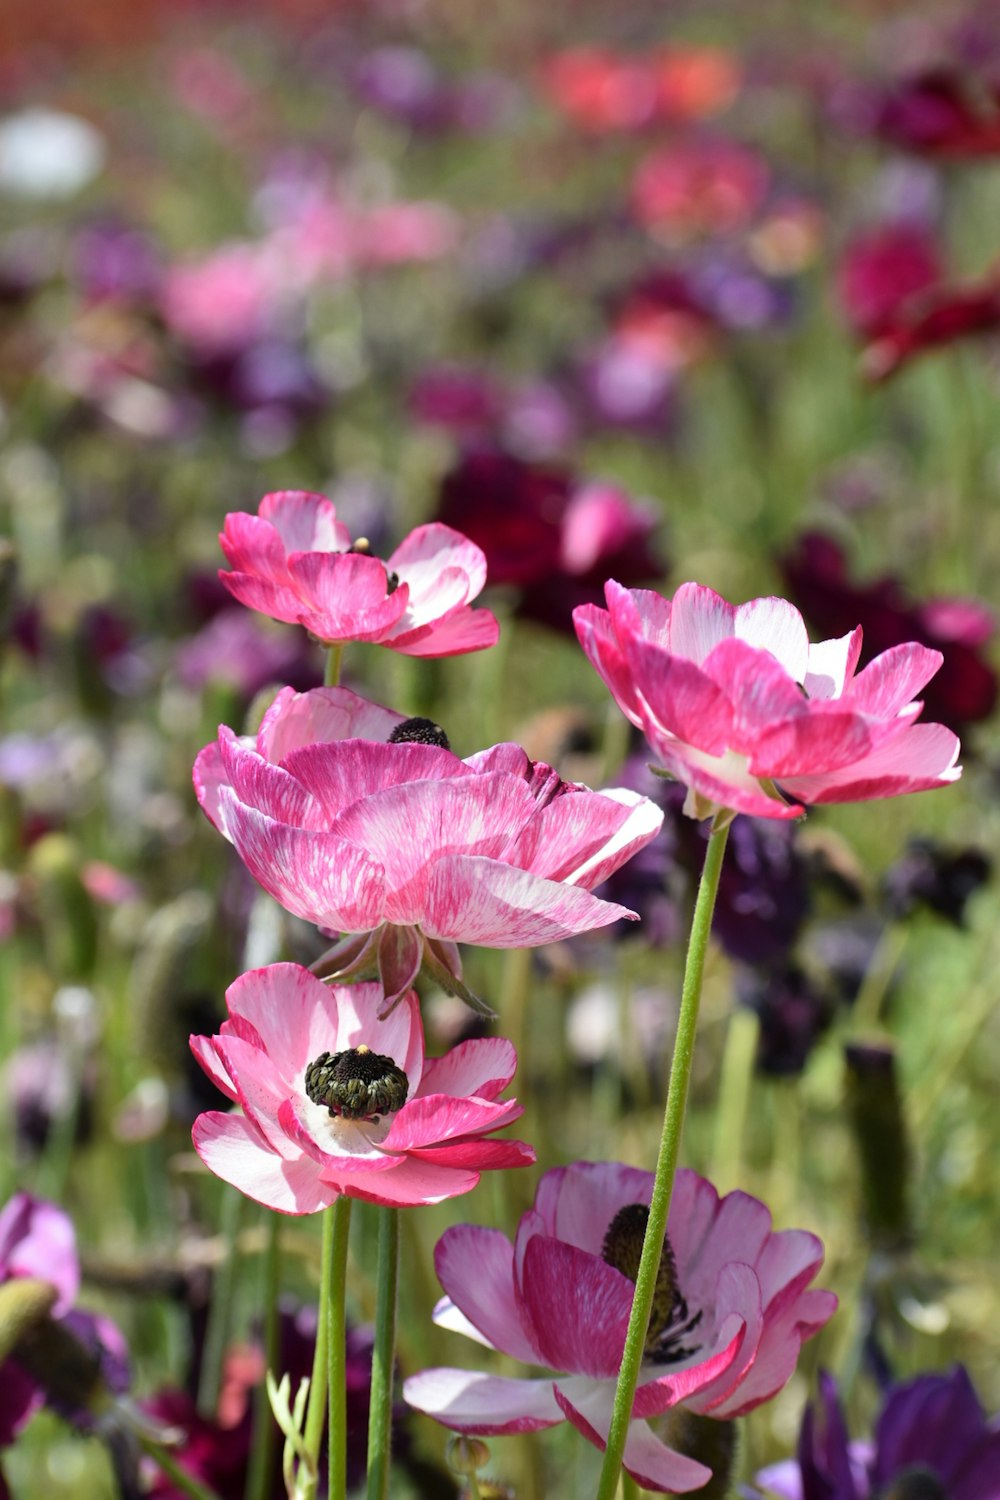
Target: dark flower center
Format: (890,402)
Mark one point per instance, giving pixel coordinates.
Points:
(358,1084)
(363,548)
(420,732)
(916,1483)
(669,1319)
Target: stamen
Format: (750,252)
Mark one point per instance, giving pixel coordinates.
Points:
(358,1084)
(420,732)
(669,1319)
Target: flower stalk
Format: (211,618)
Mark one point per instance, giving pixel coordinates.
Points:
(666,1163)
(384,1356)
(335,1313)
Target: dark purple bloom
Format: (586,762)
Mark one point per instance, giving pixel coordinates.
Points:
(942,880)
(942,112)
(932,1439)
(793,1013)
(964,691)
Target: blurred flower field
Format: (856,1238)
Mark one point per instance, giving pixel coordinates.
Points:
(564,310)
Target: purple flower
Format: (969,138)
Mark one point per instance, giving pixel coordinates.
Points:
(932,1439)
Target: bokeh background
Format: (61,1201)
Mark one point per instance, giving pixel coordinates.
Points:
(654,292)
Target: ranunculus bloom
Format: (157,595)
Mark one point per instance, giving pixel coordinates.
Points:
(931,1431)
(699,187)
(408,846)
(336,1101)
(750,717)
(732,1308)
(295,562)
(881,270)
(942,112)
(554,536)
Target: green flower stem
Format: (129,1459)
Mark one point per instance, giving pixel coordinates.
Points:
(221,1308)
(337,1349)
(629,1489)
(180,1478)
(384,1356)
(331,674)
(666,1163)
(316,1410)
(260,1472)
(735,1081)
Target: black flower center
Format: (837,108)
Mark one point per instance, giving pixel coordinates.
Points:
(915,1483)
(358,1084)
(669,1319)
(420,732)
(363,548)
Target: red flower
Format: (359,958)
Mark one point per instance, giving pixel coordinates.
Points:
(939,113)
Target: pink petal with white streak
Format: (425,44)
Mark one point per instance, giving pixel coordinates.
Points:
(427,552)
(321,715)
(305,522)
(467,1401)
(483,1066)
(699,619)
(231,1148)
(774,625)
(472,900)
(314,875)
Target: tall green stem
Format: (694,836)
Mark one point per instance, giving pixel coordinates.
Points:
(666,1163)
(316,1410)
(336,1315)
(186,1483)
(331,674)
(259,1474)
(384,1356)
(735,1083)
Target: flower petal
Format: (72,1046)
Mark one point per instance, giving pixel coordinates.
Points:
(578,1307)
(436,1118)
(774,625)
(468,1401)
(482,1066)
(412,1181)
(922,758)
(231,1148)
(318,717)
(462,631)
(344,773)
(423,555)
(475,1267)
(646,1458)
(894,679)
(473,900)
(699,619)
(314,875)
(304,521)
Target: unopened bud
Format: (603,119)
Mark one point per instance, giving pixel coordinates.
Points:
(467,1455)
(24,1301)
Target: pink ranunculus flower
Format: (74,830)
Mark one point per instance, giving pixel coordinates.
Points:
(336,1101)
(732,1308)
(345,818)
(752,718)
(295,561)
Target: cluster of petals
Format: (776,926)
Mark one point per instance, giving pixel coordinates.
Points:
(408,847)
(932,1435)
(550,1299)
(294,561)
(290,1153)
(752,718)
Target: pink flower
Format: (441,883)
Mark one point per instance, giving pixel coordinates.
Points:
(294,561)
(336,1101)
(749,716)
(732,1309)
(407,846)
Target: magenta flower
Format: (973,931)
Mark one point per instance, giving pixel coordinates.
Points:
(336,1101)
(407,847)
(295,562)
(750,717)
(732,1308)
